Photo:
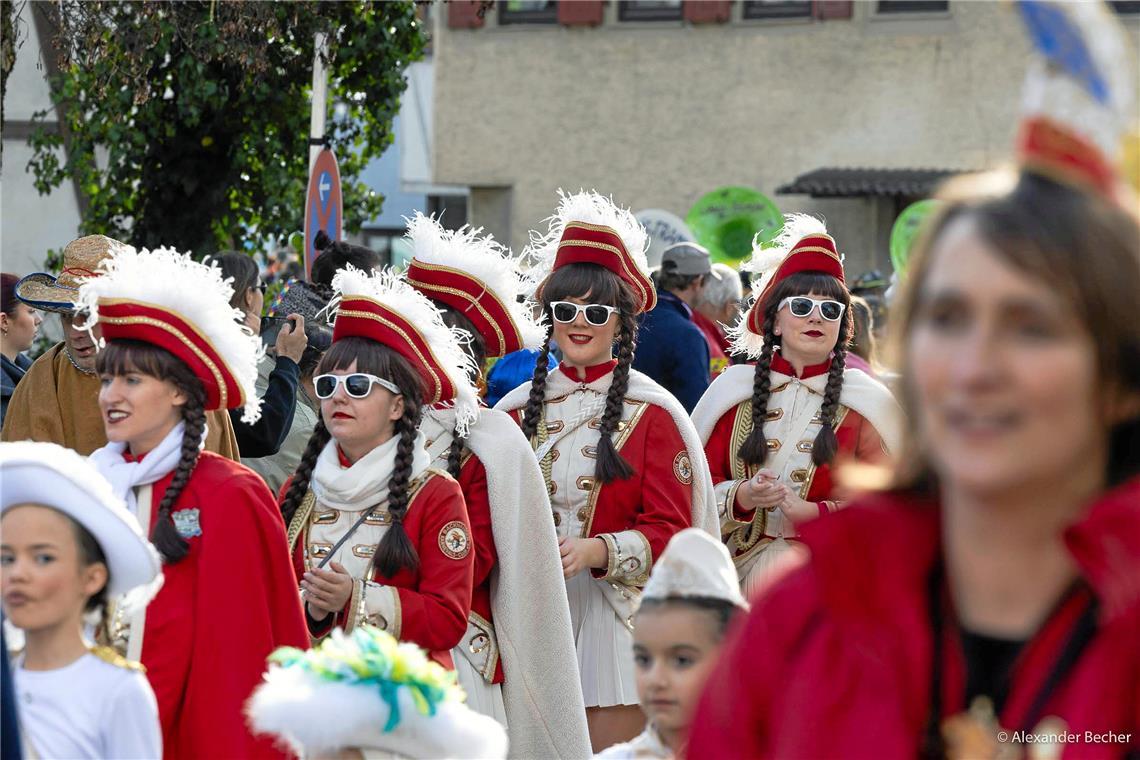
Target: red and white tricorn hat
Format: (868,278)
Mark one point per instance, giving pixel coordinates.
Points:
(383,307)
(477,277)
(589,228)
(167,299)
(803,245)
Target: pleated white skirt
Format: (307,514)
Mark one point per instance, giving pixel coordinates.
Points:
(482,697)
(767,564)
(603,643)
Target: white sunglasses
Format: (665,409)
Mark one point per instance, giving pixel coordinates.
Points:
(801,306)
(596,314)
(356,385)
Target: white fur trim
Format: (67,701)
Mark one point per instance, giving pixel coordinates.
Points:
(318,717)
(482,258)
(197,292)
(391,289)
(592,208)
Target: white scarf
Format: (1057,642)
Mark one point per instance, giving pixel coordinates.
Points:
(125,476)
(364,485)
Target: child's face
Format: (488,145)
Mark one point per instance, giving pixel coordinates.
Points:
(42,579)
(674,649)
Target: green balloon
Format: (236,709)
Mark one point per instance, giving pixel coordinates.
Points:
(905,231)
(727,220)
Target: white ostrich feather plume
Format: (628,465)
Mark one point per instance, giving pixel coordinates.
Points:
(318,717)
(765,260)
(592,208)
(391,289)
(481,257)
(174,281)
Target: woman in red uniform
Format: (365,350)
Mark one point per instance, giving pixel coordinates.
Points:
(379,537)
(622,462)
(773,431)
(518,604)
(988,606)
(174,352)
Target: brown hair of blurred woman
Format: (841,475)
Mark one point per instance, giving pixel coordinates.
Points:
(1082,247)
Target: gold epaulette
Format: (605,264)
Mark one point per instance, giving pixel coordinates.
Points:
(111,657)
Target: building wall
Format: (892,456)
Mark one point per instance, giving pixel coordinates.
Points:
(659,113)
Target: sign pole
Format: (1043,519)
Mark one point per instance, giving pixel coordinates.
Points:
(320,97)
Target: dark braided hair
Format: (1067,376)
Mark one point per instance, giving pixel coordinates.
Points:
(754,450)
(123,356)
(533,409)
(477,350)
(598,285)
(395,551)
(299,486)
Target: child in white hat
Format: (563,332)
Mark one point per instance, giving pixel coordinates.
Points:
(690,599)
(69,545)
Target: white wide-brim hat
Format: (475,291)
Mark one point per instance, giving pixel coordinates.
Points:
(49,475)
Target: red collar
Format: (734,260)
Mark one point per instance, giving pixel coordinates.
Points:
(780,364)
(596,372)
(127,455)
(344,461)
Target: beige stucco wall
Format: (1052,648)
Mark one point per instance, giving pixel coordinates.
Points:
(657,114)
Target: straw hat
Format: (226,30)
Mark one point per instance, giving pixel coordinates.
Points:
(81,260)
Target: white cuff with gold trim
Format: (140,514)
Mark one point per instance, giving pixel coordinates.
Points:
(630,557)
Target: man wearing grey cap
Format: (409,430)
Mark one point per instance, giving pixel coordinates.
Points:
(671,349)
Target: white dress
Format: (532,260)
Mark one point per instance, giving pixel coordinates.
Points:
(645,746)
(603,638)
(99,706)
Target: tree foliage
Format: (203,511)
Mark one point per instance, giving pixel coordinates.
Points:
(187,123)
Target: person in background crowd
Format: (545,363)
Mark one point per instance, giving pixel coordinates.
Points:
(623,466)
(364,695)
(718,308)
(69,546)
(335,256)
(229,597)
(379,537)
(672,350)
(511,371)
(58,400)
(18,325)
(688,604)
(987,606)
(300,298)
(516,662)
(774,432)
(861,352)
(279,399)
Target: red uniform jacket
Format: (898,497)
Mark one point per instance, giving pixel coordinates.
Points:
(436,597)
(834,660)
(655,501)
(858,441)
(473,484)
(229,603)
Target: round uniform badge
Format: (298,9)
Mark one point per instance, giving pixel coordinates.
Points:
(683,468)
(454,541)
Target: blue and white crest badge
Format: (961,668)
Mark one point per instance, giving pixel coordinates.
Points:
(186,522)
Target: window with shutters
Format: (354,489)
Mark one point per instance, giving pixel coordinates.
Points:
(912,6)
(649,10)
(777,9)
(528,11)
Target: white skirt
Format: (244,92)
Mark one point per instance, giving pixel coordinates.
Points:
(482,697)
(767,564)
(603,643)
